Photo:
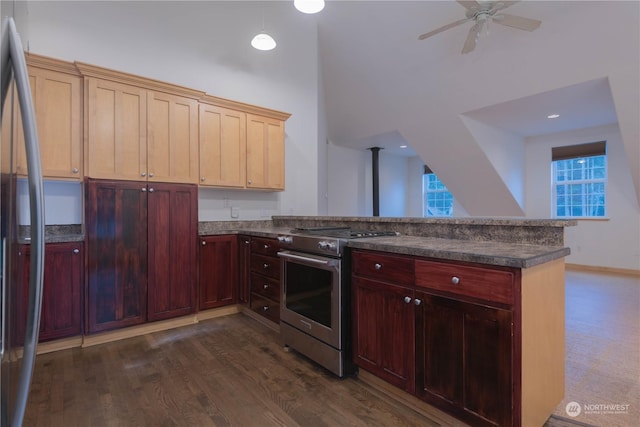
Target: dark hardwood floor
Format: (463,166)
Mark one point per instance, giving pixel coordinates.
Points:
(229,371)
(232,371)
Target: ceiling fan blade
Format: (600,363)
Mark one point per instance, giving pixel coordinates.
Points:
(499,5)
(515,21)
(470,42)
(441,29)
(469,4)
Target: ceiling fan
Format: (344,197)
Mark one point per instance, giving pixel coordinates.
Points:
(481,12)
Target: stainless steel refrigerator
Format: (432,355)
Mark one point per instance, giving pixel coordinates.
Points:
(18,119)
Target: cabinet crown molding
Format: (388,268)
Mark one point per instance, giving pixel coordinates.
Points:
(89,70)
(40,61)
(247,108)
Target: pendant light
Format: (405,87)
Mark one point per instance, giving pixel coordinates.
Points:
(309,6)
(262,40)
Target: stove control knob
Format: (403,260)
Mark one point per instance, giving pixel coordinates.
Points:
(323,244)
(331,245)
(285,239)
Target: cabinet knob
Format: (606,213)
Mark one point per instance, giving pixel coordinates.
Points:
(143,174)
(150,174)
(455,280)
(265,265)
(204,243)
(417,301)
(249,181)
(151,190)
(265,286)
(203,179)
(265,308)
(75,170)
(377,266)
(246,242)
(407,299)
(143,189)
(76,251)
(266,246)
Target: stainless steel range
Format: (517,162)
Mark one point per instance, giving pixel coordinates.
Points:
(315,294)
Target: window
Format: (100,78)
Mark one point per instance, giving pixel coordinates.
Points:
(580,181)
(437,200)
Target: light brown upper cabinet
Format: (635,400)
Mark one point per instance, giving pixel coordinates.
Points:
(139,128)
(222,146)
(57,96)
(265,153)
(172,139)
(116,146)
(143,129)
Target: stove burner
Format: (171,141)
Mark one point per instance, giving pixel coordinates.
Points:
(342,232)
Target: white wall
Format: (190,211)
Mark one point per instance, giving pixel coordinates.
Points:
(350,184)
(613,242)
(349,189)
(504,150)
(164,41)
(62,203)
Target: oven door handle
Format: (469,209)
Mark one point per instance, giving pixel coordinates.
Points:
(289,255)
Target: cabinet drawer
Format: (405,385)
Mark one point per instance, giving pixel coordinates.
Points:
(267,265)
(265,307)
(383,267)
(265,286)
(264,246)
(477,282)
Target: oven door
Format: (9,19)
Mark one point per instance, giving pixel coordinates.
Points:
(310,295)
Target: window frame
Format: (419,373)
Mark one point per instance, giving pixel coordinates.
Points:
(585,205)
(425,194)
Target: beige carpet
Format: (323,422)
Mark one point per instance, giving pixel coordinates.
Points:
(602,351)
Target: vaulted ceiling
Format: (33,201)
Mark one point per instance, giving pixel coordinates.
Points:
(381,80)
(380,84)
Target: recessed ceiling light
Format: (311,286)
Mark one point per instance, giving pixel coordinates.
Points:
(553,116)
(403,146)
(309,6)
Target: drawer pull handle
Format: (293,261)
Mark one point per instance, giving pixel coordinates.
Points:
(455,280)
(377,266)
(76,251)
(265,286)
(265,308)
(417,301)
(407,299)
(204,243)
(265,265)
(266,246)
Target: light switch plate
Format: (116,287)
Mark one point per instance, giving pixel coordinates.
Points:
(235,212)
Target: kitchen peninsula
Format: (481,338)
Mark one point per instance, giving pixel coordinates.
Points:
(465,314)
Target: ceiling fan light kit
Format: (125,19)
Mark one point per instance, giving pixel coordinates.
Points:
(482,13)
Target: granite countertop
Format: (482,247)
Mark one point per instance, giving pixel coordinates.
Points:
(518,243)
(483,252)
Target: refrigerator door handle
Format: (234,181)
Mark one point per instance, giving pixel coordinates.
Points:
(36,199)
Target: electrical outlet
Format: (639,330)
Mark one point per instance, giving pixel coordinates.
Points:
(235,212)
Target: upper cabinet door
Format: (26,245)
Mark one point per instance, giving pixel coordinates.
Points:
(58,103)
(172,144)
(265,153)
(117,131)
(222,146)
